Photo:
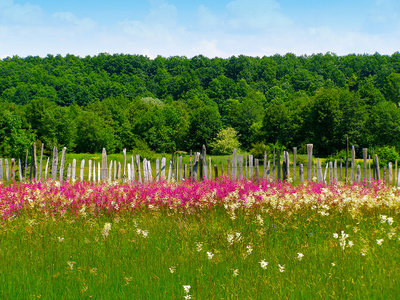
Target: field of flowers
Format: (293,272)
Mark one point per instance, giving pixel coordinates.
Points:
(204,240)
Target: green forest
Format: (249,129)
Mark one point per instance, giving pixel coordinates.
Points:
(178,104)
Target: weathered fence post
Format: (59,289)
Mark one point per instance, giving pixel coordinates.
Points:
(69,172)
(110,171)
(269,171)
(365,154)
(240,159)
(132,169)
(353,159)
(145,171)
(62,163)
(319,171)
(294,163)
(234,165)
(216,172)
(139,177)
(26,164)
(149,172)
(124,175)
(90,170)
(45,171)
(278,154)
(256,172)
(181,167)
(157,170)
(330,173)
(54,164)
(284,167)
(163,162)
(228,168)
(378,176)
(40,166)
(265,167)
(395,171)
(301,173)
(73,169)
(326,170)
(245,166)
(250,167)
(273,166)
(82,169)
(12,169)
(7,170)
(309,153)
(32,173)
(204,169)
(335,170)
(369,169)
(170,171)
(390,173)
(20,170)
(1,169)
(209,168)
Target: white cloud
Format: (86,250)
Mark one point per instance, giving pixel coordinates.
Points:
(257,15)
(17,13)
(81,25)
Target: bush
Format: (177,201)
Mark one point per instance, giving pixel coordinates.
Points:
(225,142)
(385,154)
(259,149)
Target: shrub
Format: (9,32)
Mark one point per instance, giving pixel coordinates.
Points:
(225,142)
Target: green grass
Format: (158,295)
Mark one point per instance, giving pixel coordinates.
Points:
(68,258)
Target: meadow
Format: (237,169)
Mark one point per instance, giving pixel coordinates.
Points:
(217,239)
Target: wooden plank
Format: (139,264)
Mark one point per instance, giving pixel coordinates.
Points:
(398,179)
(32,171)
(45,171)
(115,170)
(104,165)
(240,159)
(358,174)
(335,170)
(139,177)
(110,171)
(54,164)
(390,167)
(228,168)
(278,164)
(245,166)
(170,171)
(98,172)
(177,167)
(26,165)
(325,173)
(20,170)
(251,167)
(369,169)
(129,172)
(82,170)
(309,154)
(287,164)
(265,167)
(124,174)
(69,172)
(7,170)
(90,171)
(395,171)
(12,169)
(204,154)
(234,165)
(209,168)
(378,175)
(273,166)
(319,171)
(149,172)
(40,165)
(284,167)
(195,165)
(330,172)
(132,169)
(119,171)
(269,171)
(256,170)
(181,168)
(353,158)
(185,175)
(294,163)
(365,155)
(62,163)
(94,171)
(301,176)
(73,170)
(145,175)
(173,167)
(216,171)
(157,170)
(163,162)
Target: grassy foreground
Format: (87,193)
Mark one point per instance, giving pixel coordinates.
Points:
(226,240)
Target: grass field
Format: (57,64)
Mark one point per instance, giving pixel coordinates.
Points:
(224,239)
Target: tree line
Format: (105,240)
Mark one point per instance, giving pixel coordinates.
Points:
(177,103)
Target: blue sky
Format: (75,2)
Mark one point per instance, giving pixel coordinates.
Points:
(192,27)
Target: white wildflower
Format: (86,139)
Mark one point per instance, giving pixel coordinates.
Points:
(379,241)
(235,272)
(199,246)
(390,220)
(350,243)
(71,264)
(249,249)
(281,268)
(300,256)
(383,218)
(335,235)
(210,255)
(263,264)
(172,269)
(60,239)
(106,230)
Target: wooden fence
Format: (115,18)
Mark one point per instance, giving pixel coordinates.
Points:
(238,167)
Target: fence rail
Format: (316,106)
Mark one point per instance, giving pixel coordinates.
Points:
(237,166)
